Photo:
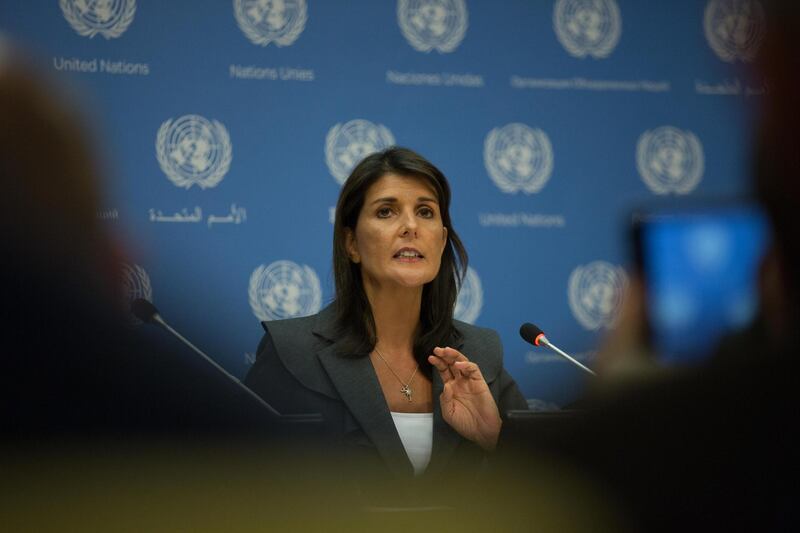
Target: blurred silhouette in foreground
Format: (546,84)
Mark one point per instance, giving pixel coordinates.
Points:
(711,447)
(71,366)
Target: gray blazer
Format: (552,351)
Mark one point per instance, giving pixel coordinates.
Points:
(298,369)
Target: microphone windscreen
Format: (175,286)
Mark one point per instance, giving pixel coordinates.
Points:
(529,332)
(143,309)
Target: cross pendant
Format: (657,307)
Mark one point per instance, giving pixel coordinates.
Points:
(407,391)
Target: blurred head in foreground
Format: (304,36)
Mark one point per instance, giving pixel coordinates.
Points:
(71,366)
(777,170)
(50,195)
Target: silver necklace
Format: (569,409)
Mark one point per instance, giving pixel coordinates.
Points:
(406,387)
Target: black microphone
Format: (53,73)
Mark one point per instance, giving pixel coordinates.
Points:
(145,311)
(536,336)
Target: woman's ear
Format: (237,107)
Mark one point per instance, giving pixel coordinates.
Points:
(351,246)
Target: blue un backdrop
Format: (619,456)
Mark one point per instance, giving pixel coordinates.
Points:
(229,126)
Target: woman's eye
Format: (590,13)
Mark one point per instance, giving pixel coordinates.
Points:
(384,212)
(425,212)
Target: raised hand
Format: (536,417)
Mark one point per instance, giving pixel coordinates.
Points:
(467,404)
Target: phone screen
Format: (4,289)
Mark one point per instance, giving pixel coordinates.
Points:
(700,270)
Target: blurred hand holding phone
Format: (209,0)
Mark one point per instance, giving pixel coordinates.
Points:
(699,265)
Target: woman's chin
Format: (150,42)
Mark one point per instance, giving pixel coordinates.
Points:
(405,281)
(401,280)
(414,282)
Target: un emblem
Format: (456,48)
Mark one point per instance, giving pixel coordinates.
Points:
(518,158)
(470,298)
(347,144)
(734,28)
(595,294)
(284,289)
(587,27)
(193,151)
(429,24)
(267,21)
(135,285)
(670,160)
(109,18)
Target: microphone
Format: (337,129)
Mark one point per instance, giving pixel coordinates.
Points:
(145,311)
(535,336)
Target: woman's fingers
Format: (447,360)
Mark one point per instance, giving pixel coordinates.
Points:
(468,370)
(458,369)
(449,355)
(442,367)
(447,395)
(453,364)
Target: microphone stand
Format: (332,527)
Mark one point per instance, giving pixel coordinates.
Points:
(147,312)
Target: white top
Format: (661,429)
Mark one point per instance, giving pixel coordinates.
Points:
(416,433)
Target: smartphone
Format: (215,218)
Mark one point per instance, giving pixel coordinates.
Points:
(700,268)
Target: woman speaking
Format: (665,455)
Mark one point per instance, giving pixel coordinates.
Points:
(396,378)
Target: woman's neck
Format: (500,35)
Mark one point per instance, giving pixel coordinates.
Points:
(396,314)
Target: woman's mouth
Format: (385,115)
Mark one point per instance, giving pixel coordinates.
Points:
(408,254)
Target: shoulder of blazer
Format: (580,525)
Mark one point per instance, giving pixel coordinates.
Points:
(297,342)
(481,346)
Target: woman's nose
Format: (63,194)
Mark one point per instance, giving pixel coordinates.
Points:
(409,226)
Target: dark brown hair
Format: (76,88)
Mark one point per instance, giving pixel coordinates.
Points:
(354,318)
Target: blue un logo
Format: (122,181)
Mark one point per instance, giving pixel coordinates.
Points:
(109,18)
(284,289)
(271,21)
(518,158)
(587,27)
(433,24)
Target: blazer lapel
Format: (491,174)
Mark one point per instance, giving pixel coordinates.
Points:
(357,384)
(355,380)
